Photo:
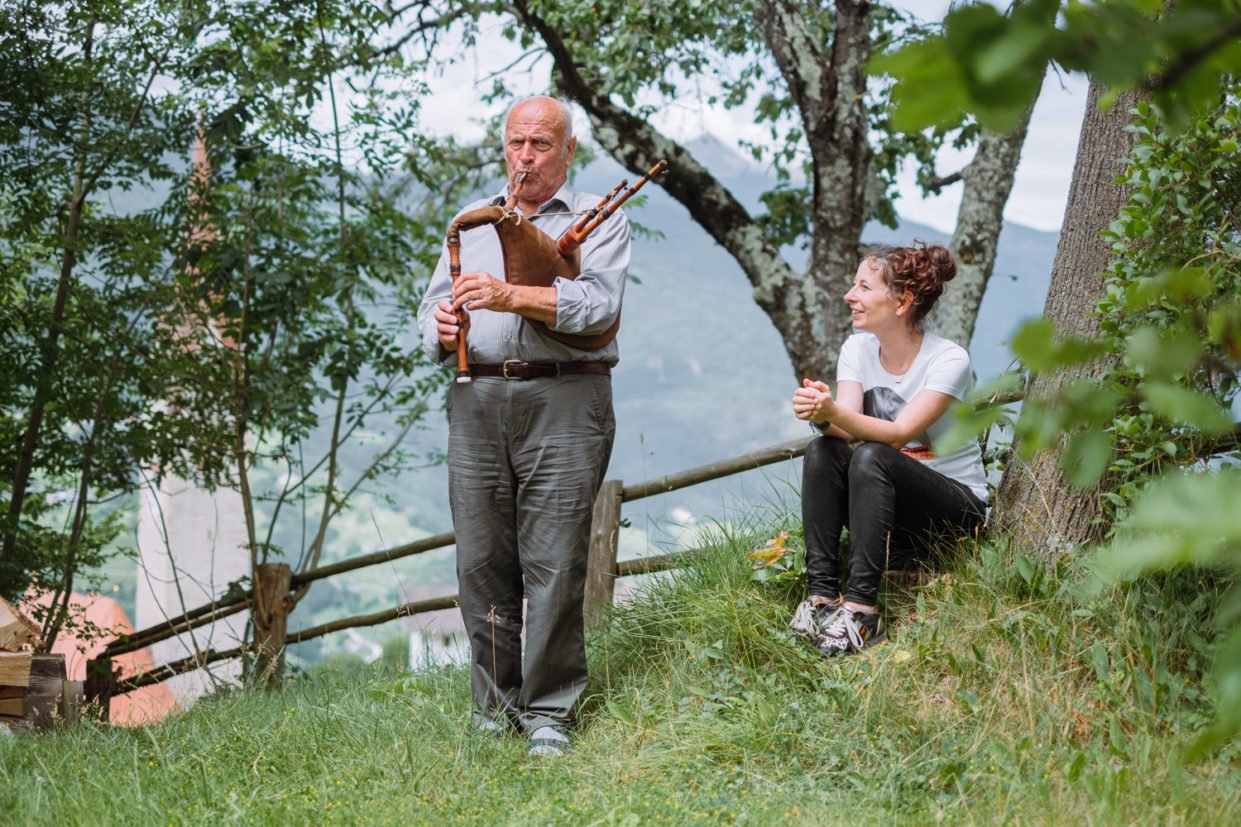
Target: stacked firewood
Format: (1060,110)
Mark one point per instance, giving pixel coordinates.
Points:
(33,691)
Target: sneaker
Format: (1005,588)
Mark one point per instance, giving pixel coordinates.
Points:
(489,726)
(548,742)
(812,617)
(851,631)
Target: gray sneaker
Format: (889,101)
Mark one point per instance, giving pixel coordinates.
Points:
(851,631)
(548,742)
(490,727)
(811,619)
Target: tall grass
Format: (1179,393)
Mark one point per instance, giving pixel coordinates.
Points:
(1007,694)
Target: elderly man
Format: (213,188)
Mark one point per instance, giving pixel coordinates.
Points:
(529,438)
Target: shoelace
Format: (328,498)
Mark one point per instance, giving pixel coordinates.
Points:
(806,621)
(843,625)
(803,618)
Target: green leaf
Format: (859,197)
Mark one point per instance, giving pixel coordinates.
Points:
(1102,663)
(930,88)
(1176,285)
(1178,520)
(1021,47)
(1164,355)
(1087,457)
(620,713)
(1180,404)
(1033,341)
(968,424)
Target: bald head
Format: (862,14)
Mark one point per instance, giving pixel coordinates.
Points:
(566,114)
(539,144)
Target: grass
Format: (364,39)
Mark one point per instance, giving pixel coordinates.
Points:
(1008,695)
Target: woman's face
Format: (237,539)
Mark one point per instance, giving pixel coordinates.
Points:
(873,304)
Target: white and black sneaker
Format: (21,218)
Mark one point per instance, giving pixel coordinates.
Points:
(548,742)
(851,631)
(813,615)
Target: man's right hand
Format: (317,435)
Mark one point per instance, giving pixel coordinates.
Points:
(446,325)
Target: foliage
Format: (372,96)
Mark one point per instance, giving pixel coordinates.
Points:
(285,314)
(1171,320)
(1010,693)
(647,54)
(991,64)
(84,123)
(200,321)
(1144,432)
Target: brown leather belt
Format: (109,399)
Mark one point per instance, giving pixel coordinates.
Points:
(513,369)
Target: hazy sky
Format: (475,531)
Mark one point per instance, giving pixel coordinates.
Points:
(1039,191)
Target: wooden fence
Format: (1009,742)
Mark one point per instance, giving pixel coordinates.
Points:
(269,599)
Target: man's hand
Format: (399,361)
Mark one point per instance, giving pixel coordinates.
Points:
(482,291)
(446,325)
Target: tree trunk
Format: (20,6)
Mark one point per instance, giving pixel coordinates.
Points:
(49,347)
(988,182)
(271,620)
(1036,505)
(822,63)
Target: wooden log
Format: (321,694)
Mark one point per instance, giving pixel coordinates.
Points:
(15,669)
(724,468)
(175,626)
(100,685)
(16,631)
(43,704)
(72,700)
(601,556)
(271,619)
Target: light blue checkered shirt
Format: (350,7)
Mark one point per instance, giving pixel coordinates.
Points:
(586,305)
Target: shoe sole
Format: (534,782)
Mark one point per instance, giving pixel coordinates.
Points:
(882,637)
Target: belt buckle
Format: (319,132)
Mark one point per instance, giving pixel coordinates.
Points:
(504,369)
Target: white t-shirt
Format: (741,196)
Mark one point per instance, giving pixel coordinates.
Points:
(941,366)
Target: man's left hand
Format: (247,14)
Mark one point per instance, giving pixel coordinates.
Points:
(482,291)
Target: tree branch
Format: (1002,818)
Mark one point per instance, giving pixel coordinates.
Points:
(1188,60)
(639,146)
(938,184)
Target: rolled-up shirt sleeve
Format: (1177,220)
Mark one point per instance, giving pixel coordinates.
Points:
(590,303)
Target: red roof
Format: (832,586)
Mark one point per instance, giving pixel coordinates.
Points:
(141,706)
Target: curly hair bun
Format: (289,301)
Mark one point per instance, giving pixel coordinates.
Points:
(921,270)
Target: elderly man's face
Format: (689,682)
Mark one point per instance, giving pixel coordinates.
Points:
(534,142)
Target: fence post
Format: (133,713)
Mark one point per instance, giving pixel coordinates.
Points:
(271,619)
(100,685)
(601,559)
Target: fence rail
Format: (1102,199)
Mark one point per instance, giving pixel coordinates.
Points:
(269,614)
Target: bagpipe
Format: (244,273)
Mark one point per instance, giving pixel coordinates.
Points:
(532,257)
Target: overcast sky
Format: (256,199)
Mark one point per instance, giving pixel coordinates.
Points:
(1039,191)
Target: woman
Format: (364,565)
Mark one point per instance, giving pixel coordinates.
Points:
(895,383)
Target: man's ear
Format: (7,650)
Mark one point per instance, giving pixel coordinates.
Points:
(572,148)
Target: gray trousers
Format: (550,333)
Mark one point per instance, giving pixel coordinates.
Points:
(525,462)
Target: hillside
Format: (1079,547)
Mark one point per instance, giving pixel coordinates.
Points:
(1005,696)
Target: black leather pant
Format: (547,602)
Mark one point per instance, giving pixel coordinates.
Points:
(894,506)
